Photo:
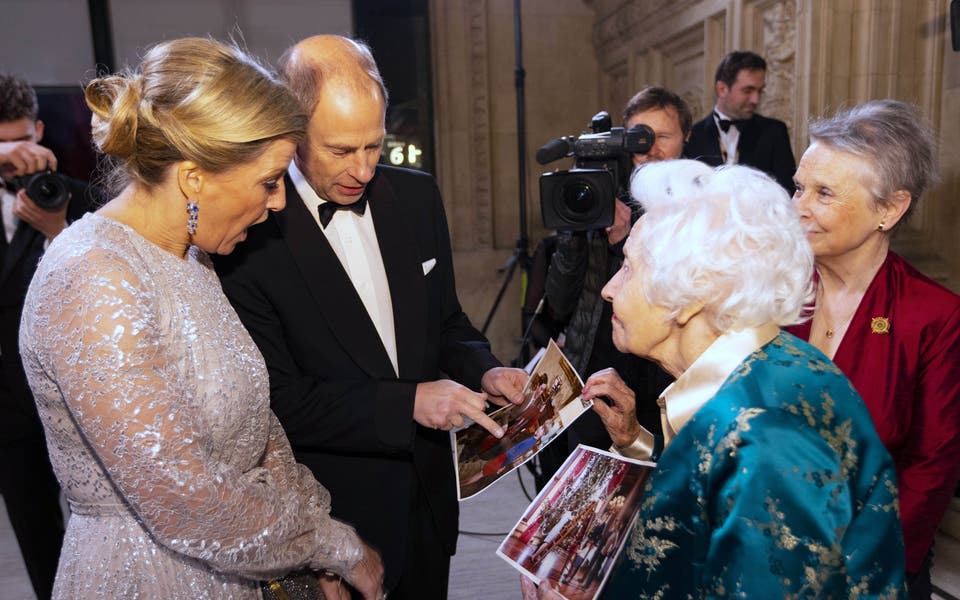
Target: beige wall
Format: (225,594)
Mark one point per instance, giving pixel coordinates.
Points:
(476,124)
(822,55)
(944,216)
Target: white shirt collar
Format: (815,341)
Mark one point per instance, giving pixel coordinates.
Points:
(353,238)
(307,194)
(10,220)
(703,379)
(729,140)
(721,114)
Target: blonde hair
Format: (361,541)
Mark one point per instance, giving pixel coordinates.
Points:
(191,99)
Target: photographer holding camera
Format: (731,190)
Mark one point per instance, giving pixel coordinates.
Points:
(585,260)
(37,204)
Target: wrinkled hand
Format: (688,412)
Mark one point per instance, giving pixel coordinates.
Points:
(443,405)
(367,576)
(333,588)
(504,384)
(620,417)
(620,229)
(23,157)
(48,222)
(532,591)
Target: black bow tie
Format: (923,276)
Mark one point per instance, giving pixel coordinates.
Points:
(726,123)
(328,208)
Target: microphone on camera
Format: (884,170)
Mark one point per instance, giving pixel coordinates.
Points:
(555,150)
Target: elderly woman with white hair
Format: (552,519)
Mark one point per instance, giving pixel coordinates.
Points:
(773,482)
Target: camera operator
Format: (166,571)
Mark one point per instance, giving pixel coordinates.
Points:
(29,488)
(584,261)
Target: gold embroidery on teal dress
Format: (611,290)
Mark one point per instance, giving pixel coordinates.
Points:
(765,493)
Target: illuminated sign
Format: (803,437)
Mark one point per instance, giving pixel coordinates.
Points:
(403,153)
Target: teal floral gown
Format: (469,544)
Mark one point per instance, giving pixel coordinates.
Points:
(776,487)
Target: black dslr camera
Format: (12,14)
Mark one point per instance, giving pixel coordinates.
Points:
(582,198)
(48,189)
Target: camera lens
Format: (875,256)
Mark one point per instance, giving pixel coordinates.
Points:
(578,197)
(48,190)
(45,189)
(577,200)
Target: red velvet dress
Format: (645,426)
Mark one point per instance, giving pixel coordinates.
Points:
(902,354)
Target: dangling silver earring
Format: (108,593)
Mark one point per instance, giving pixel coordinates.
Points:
(193,211)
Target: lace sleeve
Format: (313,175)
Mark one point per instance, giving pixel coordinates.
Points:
(104,344)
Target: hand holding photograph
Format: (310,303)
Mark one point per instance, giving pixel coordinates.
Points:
(574,529)
(551,401)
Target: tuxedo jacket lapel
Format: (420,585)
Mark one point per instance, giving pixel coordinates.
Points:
(401,261)
(4,269)
(713,139)
(337,300)
(704,145)
(749,136)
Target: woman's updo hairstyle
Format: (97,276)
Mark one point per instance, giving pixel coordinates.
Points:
(191,99)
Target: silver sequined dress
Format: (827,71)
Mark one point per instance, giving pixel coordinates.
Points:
(155,403)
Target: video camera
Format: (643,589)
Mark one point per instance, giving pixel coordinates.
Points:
(582,198)
(47,189)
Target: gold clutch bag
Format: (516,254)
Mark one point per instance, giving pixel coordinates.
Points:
(300,585)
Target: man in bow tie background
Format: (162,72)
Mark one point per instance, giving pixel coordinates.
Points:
(349,293)
(734,133)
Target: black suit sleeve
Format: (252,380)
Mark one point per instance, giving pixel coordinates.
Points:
(463,352)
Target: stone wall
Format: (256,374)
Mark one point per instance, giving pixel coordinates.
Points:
(474,60)
(584,55)
(822,55)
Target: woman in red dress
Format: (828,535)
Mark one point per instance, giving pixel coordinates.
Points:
(893,332)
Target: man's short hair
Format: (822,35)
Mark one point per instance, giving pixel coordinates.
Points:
(655,97)
(305,77)
(17,99)
(738,60)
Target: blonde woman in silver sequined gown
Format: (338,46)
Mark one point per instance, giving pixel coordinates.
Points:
(154,399)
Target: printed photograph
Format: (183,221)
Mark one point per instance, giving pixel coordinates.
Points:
(573,531)
(551,401)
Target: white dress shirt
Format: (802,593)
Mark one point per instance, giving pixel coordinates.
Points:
(354,240)
(729,140)
(10,221)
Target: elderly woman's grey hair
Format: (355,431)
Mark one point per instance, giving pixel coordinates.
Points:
(729,239)
(893,138)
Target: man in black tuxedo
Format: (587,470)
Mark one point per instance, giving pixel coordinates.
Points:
(734,133)
(349,293)
(29,487)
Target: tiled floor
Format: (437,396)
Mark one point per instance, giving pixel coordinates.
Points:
(476,572)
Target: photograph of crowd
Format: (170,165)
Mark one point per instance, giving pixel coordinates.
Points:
(550,403)
(572,532)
